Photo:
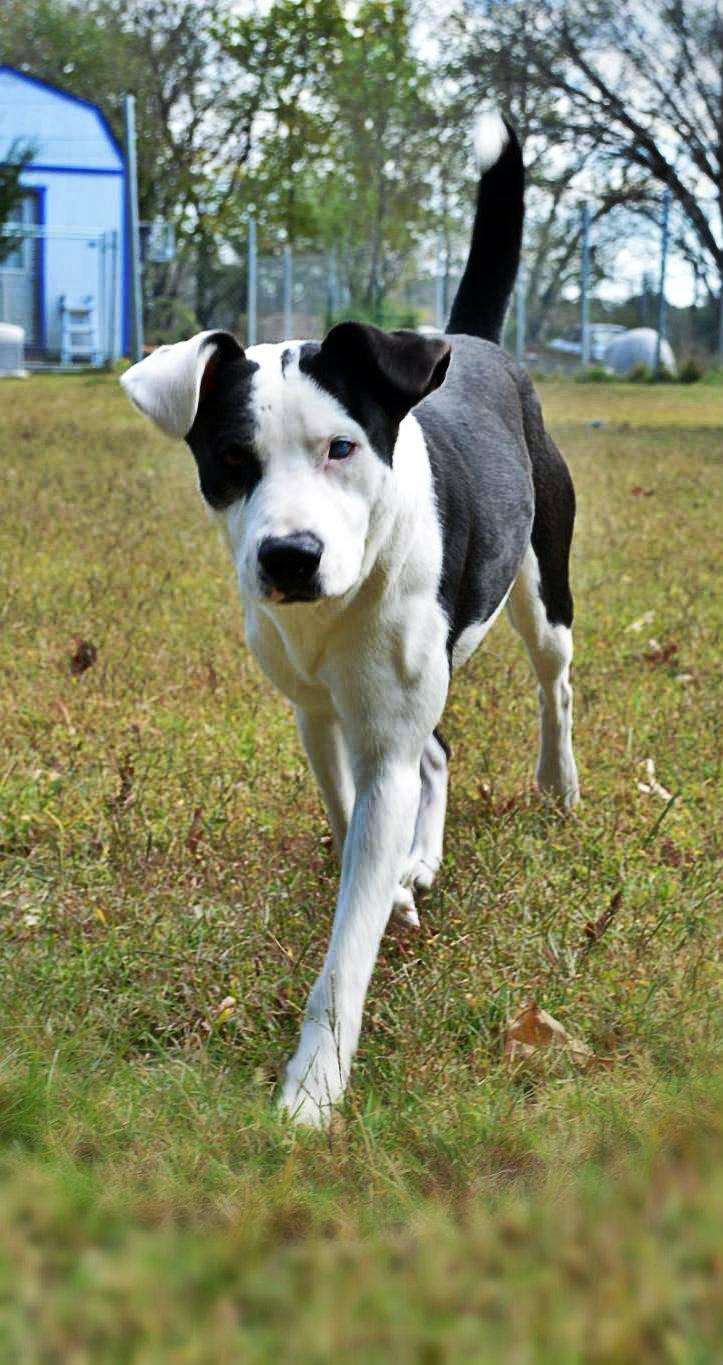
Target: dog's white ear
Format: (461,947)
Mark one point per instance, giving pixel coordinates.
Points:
(167,385)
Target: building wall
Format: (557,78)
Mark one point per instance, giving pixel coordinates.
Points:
(78,170)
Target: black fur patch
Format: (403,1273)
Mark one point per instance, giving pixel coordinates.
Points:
(482,480)
(554,510)
(376,376)
(222,435)
(481,300)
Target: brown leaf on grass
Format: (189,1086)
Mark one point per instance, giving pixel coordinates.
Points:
(124,796)
(660,654)
(595,928)
(639,492)
(534,1032)
(193,838)
(83,657)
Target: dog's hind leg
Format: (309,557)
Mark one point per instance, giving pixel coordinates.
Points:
(426,854)
(549,645)
(323,740)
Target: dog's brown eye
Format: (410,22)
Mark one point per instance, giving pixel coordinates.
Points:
(233,455)
(340,448)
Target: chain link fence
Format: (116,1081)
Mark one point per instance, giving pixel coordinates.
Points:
(62,286)
(604,275)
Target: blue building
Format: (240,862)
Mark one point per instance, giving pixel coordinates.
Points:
(65,277)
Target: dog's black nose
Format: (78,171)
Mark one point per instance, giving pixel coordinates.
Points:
(289,563)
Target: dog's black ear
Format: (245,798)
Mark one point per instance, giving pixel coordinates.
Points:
(401,367)
(171,382)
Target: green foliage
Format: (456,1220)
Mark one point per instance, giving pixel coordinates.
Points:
(691,371)
(11,189)
(597,374)
(162,851)
(640,374)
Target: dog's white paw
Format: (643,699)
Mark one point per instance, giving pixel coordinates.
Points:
(421,874)
(560,781)
(404,911)
(315,1079)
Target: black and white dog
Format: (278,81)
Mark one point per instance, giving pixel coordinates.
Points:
(384,495)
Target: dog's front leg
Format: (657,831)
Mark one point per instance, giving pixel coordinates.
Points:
(322,738)
(377,846)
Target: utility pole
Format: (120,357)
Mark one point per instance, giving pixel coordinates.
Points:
(439,318)
(520,315)
(665,216)
(584,288)
(288,294)
(133,241)
(251,286)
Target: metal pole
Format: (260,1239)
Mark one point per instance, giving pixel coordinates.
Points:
(720,319)
(288,294)
(333,299)
(113,293)
(663,266)
(439,318)
(133,242)
(584,288)
(520,316)
(251,286)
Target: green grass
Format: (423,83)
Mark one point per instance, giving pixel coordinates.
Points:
(163,849)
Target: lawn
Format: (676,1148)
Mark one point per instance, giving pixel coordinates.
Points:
(166,888)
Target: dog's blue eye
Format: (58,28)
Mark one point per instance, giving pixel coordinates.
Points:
(339,449)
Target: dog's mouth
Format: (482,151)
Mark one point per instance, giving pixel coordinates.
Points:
(284,597)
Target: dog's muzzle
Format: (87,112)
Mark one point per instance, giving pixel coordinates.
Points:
(289,565)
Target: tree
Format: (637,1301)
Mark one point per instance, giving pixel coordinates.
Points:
(647,79)
(11,189)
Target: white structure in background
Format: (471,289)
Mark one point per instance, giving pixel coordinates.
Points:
(638,347)
(12,352)
(601,335)
(68,231)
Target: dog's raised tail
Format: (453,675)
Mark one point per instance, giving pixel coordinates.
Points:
(481,301)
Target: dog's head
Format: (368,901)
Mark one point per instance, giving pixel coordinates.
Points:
(294,443)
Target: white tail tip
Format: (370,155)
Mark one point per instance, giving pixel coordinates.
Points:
(490,139)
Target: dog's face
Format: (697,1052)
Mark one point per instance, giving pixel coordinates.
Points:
(294,444)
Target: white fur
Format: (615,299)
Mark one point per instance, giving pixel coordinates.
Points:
(490,139)
(550,651)
(300,489)
(365,666)
(166,385)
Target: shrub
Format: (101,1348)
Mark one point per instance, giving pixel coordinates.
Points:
(691,371)
(640,374)
(596,374)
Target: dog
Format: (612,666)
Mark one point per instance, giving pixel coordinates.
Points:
(383,496)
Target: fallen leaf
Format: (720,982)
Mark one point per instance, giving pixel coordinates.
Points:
(595,928)
(639,492)
(660,654)
(652,787)
(641,621)
(534,1030)
(83,658)
(225,1009)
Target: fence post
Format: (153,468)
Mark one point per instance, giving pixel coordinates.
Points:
(520,315)
(133,236)
(113,292)
(665,216)
(584,288)
(439,316)
(333,283)
(251,286)
(288,287)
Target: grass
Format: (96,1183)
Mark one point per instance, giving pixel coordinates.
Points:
(165,898)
